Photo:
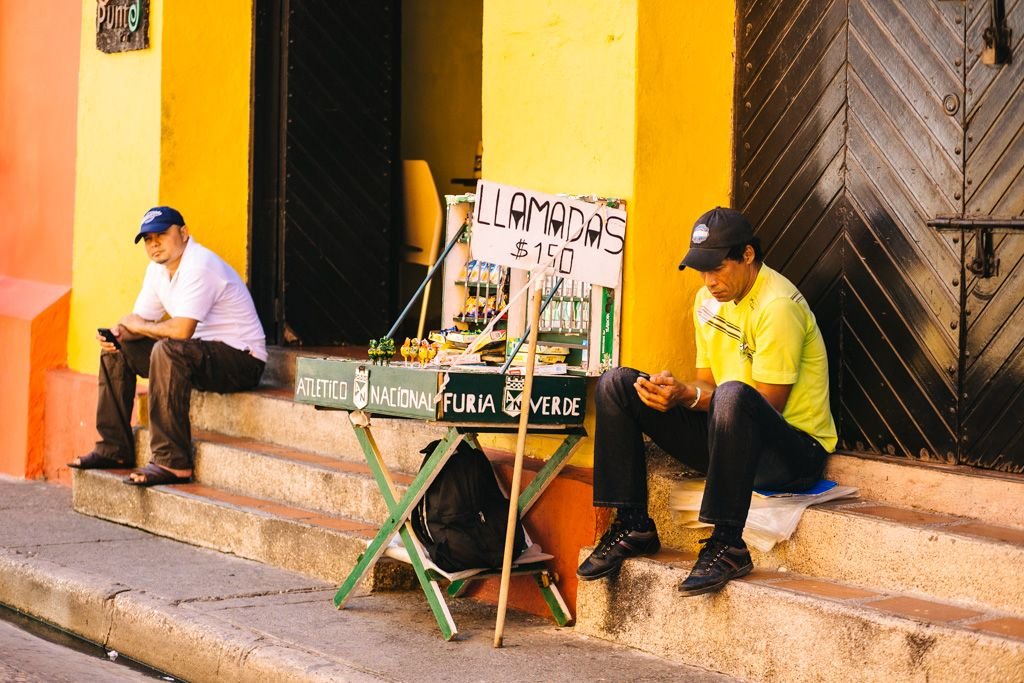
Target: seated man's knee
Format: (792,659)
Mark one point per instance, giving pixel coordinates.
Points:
(163,348)
(611,384)
(730,397)
(169,351)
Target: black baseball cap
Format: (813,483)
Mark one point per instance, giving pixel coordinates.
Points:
(159,219)
(713,235)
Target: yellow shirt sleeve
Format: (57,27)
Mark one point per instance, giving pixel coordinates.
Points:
(778,342)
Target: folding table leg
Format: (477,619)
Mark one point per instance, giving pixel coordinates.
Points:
(549,591)
(433,592)
(397,522)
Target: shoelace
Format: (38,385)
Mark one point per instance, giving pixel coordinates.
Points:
(711,552)
(610,539)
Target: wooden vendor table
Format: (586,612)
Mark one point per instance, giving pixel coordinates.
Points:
(470,403)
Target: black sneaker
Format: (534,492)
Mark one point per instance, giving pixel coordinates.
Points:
(717,564)
(615,546)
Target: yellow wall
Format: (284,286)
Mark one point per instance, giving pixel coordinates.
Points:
(683,168)
(559,94)
(205,122)
(559,115)
(630,99)
(117,179)
(169,124)
(441,87)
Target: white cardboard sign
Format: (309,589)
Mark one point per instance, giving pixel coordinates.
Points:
(522,228)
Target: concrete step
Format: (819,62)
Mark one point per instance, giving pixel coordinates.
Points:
(286,475)
(312,542)
(879,546)
(772,626)
(271,416)
(992,497)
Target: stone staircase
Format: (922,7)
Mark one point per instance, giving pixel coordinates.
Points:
(275,481)
(896,585)
(918,579)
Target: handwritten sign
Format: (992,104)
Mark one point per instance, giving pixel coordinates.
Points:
(522,229)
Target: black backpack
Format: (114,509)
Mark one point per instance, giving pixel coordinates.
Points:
(463,517)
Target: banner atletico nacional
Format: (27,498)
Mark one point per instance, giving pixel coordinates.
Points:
(410,391)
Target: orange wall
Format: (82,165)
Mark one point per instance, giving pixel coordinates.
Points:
(70,421)
(38,95)
(33,334)
(38,117)
(562,521)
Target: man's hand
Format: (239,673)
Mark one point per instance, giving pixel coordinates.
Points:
(662,392)
(106,346)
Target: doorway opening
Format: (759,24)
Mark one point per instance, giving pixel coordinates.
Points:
(342,93)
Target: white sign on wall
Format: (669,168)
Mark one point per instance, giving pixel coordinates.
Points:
(522,229)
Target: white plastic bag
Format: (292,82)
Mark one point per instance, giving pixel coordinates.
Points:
(772,518)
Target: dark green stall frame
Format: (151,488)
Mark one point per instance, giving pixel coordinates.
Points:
(472,403)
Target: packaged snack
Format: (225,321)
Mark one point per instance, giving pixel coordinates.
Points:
(471,308)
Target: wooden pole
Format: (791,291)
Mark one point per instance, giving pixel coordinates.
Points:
(517,470)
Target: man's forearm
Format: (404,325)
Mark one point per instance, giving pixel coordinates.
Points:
(172,328)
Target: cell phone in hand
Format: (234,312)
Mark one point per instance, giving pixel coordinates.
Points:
(644,375)
(109,336)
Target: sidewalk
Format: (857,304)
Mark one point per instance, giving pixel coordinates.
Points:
(203,616)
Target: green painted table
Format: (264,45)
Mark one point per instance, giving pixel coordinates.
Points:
(470,403)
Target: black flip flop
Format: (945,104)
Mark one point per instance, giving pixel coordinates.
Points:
(95,461)
(156,476)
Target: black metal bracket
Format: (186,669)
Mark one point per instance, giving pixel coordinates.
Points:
(984,264)
(997,37)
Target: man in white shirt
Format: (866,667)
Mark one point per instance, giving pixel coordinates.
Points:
(194,325)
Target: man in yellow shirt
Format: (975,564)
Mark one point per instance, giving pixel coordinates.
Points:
(756,415)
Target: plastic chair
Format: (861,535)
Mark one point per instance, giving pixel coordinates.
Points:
(422,222)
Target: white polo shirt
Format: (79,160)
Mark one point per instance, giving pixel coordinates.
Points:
(209,291)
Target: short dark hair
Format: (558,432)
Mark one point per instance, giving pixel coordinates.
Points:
(736,253)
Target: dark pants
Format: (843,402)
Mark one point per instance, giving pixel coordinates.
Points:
(741,443)
(174,368)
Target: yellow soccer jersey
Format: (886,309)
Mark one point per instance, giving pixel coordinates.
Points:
(769,336)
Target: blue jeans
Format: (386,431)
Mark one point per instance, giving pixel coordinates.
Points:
(741,443)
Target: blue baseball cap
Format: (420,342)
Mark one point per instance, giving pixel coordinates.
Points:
(159,219)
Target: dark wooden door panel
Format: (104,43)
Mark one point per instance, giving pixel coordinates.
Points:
(790,146)
(844,152)
(857,124)
(900,336)
(903,168)
(992,408)
(883,176)
(339,185)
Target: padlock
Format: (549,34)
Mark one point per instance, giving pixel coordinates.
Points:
(988,51)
